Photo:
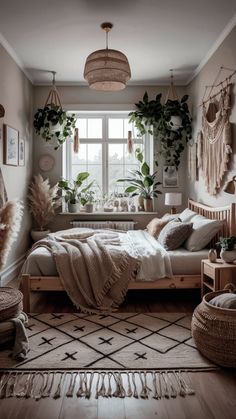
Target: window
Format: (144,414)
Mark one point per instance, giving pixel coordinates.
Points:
(103,150)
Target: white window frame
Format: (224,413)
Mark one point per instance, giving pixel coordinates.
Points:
(147,140)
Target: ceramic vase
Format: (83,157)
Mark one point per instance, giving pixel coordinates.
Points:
(148,205)
(212,255)
(39,234)
(228,256)
(73,207)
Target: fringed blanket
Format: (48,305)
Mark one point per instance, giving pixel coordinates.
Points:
(94,271)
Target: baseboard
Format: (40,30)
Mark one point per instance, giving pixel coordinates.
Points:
(12,271)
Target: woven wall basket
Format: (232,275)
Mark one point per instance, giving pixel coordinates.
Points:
(10,303)
(214,331)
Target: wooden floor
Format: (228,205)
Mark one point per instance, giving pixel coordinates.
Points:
(215,391)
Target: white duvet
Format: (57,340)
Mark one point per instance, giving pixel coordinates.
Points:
(154,259)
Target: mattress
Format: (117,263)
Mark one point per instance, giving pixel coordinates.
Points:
(41,263)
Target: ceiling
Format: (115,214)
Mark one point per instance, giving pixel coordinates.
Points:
(156,35)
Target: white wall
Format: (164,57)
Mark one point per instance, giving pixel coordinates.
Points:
(83,98)
(225,55)
(16,95)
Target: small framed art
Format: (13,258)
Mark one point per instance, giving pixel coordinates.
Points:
(170,177)
(21,161)
(10,143)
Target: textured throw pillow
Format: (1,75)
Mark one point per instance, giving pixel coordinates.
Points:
(155,226)
(203,232)
(187,215)
(224,301)
(174,234)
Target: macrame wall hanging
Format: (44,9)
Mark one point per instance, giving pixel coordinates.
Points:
(214,141)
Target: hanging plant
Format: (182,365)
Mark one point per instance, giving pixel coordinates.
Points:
(169,123)
(52,123)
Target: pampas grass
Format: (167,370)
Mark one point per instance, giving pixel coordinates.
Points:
(43,201)
(10,221)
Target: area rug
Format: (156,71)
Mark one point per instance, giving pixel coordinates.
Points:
(127,353)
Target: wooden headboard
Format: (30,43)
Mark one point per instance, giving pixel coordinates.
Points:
(226,214)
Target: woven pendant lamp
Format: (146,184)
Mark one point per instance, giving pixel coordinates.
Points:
(107,69)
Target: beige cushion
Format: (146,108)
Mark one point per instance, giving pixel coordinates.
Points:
(187,215)
(174,234)
(155,226)
(224,301)
(203,232)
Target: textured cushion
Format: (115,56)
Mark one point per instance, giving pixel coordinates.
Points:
(203,232)
(174,234)
(187,215)
(155,226)
(224,301)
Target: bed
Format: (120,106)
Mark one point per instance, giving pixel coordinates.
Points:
(189,277)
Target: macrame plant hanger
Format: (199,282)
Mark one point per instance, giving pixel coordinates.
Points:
(171,93)
(53,96)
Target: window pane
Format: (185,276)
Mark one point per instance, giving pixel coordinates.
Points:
(94,153)
(115,172)
(116,128)
(81,156)
(95,171)
(95,128)
(116,153)
(76,169)
(81,123)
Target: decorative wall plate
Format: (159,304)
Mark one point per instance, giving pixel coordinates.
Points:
(46,162)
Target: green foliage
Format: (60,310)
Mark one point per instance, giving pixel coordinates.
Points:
(87,197)
(49,116)
(227,243)
(71,189)
(155,118)
(142,182)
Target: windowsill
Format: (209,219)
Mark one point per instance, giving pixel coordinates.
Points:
(109,213)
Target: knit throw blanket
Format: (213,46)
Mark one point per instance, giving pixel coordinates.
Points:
(93,268)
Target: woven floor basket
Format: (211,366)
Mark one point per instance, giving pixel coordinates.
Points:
(214,331)
(10,303)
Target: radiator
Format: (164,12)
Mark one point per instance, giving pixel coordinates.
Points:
(117,225)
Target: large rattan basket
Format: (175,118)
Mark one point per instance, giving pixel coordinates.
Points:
(10,303)
(214,331)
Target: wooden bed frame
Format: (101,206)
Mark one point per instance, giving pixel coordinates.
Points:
(52,283)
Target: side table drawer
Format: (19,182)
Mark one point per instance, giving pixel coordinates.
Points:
(209,271)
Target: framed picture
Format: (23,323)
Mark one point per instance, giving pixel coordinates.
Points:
(170,177)
(21,152)
(10,142)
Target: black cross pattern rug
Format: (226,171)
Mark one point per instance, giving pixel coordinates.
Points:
(120,341)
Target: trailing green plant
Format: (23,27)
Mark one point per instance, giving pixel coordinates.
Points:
(141,181)
(48,118)
(71,188)
(156,119)
(227,243)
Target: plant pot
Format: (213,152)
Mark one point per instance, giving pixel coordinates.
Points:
(228,256)
(39,234)
(148,205)
(73,207)
(88,207)
(176,122)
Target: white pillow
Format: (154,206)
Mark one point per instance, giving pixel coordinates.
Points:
(187,215)
(203,232)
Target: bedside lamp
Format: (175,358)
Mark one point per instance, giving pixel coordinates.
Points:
(230,187)
(174,199)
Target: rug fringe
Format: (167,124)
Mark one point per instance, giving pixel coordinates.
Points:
(138,384)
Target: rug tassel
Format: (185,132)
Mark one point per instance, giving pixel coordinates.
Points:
(47,392)
(3,385)
(173,391)
(120,391)
(71,388)
(109,390)
(129,391)
(29,388)
(38,395)
(154,382)
(135,393)
(89,389)
(57,393)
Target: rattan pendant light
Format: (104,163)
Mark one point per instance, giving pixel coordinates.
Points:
(107,69)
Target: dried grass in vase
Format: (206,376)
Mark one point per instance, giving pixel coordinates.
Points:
(43,201)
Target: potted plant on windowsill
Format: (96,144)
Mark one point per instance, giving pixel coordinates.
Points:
(43,202)
(71,190)
(228,248)
(142,183)
(87,199)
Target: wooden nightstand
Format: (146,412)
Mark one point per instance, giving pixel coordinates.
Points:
(214,276)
